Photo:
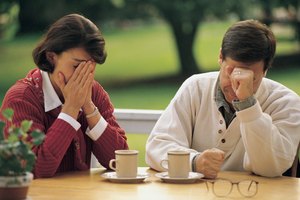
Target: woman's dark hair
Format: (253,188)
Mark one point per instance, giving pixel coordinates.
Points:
(249,41)
(70,31)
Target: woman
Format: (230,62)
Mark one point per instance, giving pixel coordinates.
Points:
(64,101)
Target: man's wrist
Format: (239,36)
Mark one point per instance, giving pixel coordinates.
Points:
(241,105)
(194,163)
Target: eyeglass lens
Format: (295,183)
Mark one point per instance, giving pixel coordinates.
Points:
(222,188)
(247,188)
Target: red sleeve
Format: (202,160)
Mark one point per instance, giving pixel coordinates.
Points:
(113,137)
(51,152)
(27,105)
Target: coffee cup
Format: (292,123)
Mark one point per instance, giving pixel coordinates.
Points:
(177,164)
(125,164)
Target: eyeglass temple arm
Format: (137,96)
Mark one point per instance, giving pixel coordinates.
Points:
(206,185)
(251,184)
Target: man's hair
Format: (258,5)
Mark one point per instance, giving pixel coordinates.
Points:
(70,31)
(249,41)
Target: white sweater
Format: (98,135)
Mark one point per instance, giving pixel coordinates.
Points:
(262,139)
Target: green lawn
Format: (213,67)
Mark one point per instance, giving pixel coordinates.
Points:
(138,142)
(138,53)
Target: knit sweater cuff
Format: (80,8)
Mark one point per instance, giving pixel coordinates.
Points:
(250,114)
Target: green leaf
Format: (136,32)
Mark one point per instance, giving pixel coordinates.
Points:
(26,125)
(13,137)
(30,160)
(16,155)
(22,149)
(8,114)
(37,137)
(2,125)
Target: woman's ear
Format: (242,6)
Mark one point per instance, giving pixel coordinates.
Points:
(51,57)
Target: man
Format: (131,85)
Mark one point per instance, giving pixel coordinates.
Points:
(234,119)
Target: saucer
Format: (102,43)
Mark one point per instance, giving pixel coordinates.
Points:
(193,177)
(112,177)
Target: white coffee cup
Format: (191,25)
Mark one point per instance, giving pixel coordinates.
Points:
(177,164)
(125,164)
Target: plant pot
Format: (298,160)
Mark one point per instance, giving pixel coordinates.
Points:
(15,187)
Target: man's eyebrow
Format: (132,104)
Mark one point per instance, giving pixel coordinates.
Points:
(245,65)
(79,60)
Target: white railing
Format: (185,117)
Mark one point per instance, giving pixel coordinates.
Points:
(134,121)
(137,121)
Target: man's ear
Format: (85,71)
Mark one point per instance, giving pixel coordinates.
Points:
(220,60)
(51,57)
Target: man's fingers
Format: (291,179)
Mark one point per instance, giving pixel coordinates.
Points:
(216,154)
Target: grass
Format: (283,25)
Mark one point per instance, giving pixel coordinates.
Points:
(289,78)
(139,53)
(138,142)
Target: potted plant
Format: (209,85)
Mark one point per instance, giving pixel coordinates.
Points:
(16,157)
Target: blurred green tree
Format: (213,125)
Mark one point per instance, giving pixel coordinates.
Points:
(185,17)
(37,15)
(292,7)
(8,18)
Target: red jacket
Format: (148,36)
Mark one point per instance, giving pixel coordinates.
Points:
(64,148)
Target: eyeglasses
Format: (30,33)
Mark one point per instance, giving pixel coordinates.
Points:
(223,187)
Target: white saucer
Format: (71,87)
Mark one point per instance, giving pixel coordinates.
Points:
(112,176)
(193,177)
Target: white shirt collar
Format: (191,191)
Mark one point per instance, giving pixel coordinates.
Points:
(51,99)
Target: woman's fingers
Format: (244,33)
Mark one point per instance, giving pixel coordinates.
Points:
(61,81)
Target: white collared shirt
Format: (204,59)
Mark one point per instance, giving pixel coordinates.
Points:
(52,101)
